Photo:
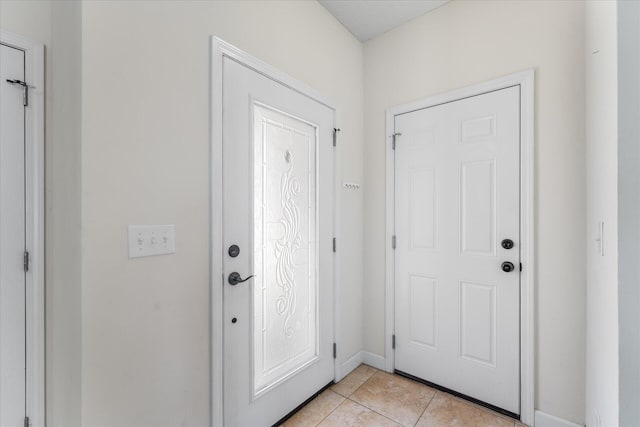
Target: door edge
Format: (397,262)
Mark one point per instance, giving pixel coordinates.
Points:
(34,204)
(220,49)
(526,80)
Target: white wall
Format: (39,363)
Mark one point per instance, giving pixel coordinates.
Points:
(145,322)
(629,209)
(602,205)
(466,42)
(57,25)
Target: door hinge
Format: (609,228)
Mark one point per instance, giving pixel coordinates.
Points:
(25,90)
(393,241)
(393,341)
(25,261)
(334,244)
(26,421)
(393,139)
(335,350)
(520,266)
(335,136)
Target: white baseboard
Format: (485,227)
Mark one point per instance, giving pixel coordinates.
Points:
(349,365)
(545,420)
(356,360)
(374,360)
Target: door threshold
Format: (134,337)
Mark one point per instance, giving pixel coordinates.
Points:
(460,395)
(302,405)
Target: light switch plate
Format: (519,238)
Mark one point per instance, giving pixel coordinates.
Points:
(150,240)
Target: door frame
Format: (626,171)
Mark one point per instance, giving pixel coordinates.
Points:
(525,80)
(34,223)
(219,50)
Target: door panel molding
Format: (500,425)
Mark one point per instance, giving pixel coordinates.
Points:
(34,198)
(525,80)
(220,50)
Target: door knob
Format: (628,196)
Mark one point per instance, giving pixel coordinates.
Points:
(507,243)
(507,267)
(235,278)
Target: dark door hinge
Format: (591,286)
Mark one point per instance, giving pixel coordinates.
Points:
(335,136)
(25,90)
(393,341)
(26,421)
(25,261)
(393,241)
(520,266)
(335,350)
(334,244)
(393,139)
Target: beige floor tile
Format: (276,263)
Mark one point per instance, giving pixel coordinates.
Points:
(519,424)
(350,414)
(316,410)
(485,409)
(395,397)
(446,411)
(355,379)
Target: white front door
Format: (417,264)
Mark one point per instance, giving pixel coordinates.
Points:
(457,258)
(12,239)
(278,228)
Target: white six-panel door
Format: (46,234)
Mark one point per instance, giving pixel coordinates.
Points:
(457,198)
(12,239)
(278,212)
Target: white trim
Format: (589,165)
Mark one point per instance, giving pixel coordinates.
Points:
(546,420)
(374,360)
(338,371)
(350,364)
(219,50)
(34,193)
(527,222)
(368,358)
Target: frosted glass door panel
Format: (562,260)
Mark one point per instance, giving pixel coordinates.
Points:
(285,304)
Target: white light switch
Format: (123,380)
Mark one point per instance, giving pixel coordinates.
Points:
(150,240)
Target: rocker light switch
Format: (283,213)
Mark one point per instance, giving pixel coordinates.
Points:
(150,240)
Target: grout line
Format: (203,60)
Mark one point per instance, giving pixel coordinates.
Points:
(481,408)
(367,379)
(358,388)
(425,408)
(332,411)
(373,410)
(345,398)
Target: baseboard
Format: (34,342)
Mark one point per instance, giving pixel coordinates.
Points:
(349,365)
(374,360)
(545,420)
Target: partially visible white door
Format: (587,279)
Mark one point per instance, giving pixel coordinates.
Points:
(278,230)
(12,239)
(457,283)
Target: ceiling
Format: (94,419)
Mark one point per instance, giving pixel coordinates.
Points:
(367,19)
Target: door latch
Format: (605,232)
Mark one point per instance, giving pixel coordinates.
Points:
(235,278)
(25,89)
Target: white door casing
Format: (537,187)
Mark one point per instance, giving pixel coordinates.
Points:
(33,177)
(277,207)
(525,81)
(457,198)
(12,240)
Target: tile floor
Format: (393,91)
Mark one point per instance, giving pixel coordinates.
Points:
(369,397)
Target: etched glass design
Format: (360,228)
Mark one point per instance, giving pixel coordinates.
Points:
(285,306)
